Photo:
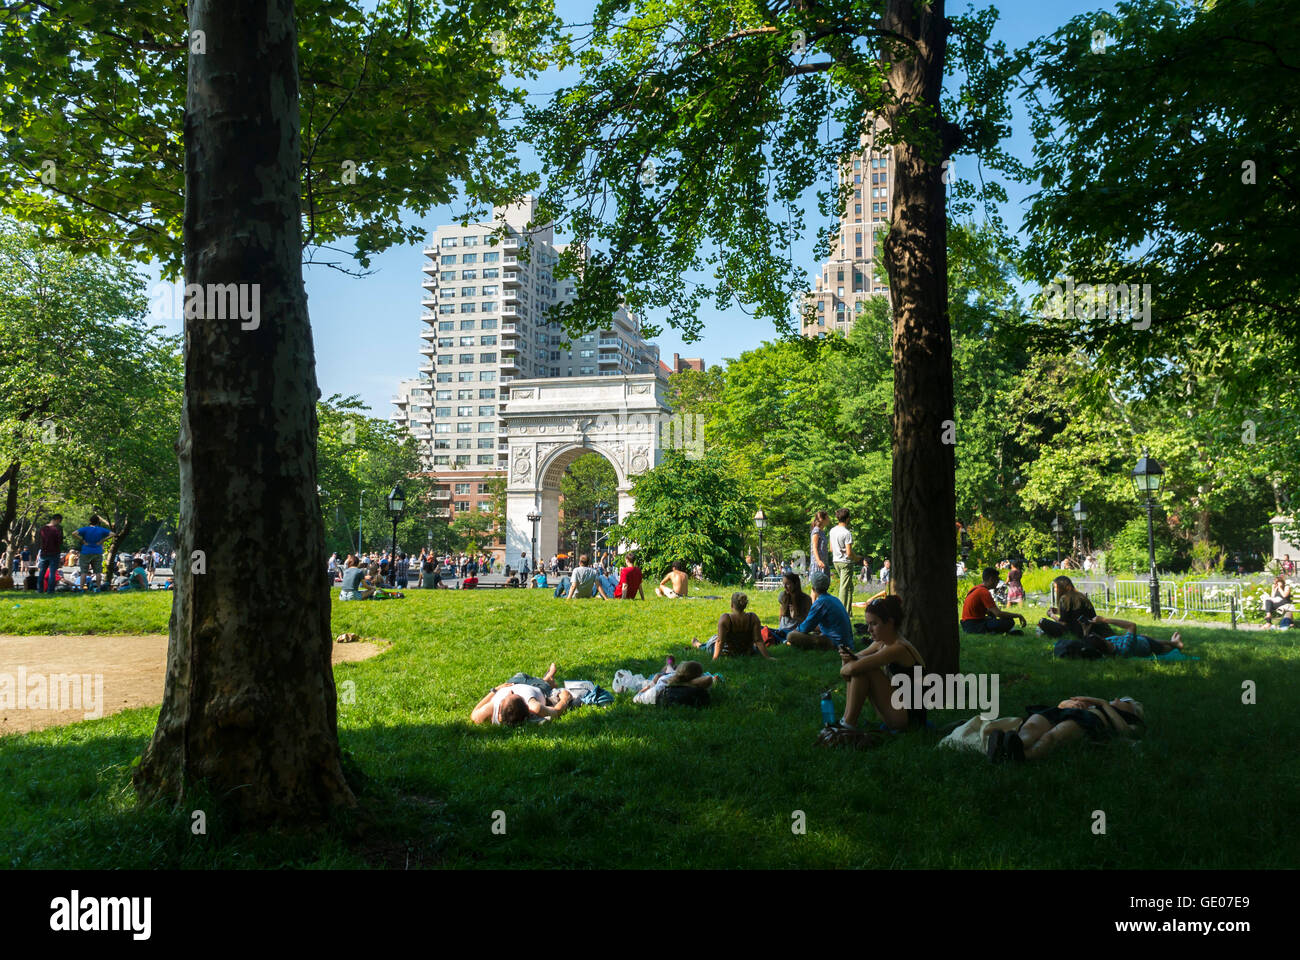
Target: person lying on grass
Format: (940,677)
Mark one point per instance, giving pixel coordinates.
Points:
(1130,643)
(689,674)
(520,697)
(868,673)
(1048,728)
(739,633)
(826,614)
(687,687)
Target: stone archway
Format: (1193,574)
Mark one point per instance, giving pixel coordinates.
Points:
(549,423)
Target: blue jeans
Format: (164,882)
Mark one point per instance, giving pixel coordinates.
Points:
(46,566)
(562,588)
(609,583)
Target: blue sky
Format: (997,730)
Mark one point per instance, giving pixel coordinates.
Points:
(367,330)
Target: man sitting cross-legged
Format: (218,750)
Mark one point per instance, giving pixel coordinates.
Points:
(979,614)
(583,585)
(520,697)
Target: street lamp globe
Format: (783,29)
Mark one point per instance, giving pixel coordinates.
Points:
(1147,474)
(396,501)
(760,519)
(1080,514)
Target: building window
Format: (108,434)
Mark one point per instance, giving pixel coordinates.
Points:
(468,291)
(449,259)
(489,394)
(469,241)
(468,275)
(465,376)
(444,378)
(467,308)
(442,444)
(442,428)
(443,395)
(490,323)
(441,461)
(487,358)
(450,242)
(491,257)
(463,444)
(442,411)
(486,443)
(487,426)
(487,411)
(444,359)
(485,459)
(464,428)
(462,506)
(469,258)
(490,341)
(464,411)
(487,375)
(446,308)
(490,290)
(467,324)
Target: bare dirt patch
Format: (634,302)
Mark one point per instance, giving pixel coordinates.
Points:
(133,669)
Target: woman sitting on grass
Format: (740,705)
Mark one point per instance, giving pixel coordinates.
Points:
(794,603)
(869,671)
(739,633)
(1047,728)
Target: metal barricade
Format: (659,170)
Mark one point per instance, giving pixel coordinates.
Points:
(1211,596)
(1136,595)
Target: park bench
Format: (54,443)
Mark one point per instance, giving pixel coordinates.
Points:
(158,579)
(768,583)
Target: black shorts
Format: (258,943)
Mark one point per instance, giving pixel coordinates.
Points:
(1092,724)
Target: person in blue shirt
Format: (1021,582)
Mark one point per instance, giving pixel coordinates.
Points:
(93,535)
(826,613)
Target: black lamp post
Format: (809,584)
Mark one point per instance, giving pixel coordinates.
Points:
(760,521)
(1080,515)
(1146,478)
(396,504)
(1057,527)
(534,518)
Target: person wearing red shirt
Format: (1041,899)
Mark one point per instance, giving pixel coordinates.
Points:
(629,581)
(51,551)
(979,614)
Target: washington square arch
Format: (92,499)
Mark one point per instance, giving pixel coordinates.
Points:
(551,422)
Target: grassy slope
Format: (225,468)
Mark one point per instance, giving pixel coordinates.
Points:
(1213,785)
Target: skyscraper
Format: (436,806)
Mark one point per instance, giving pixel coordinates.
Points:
(484,307)
(848,278)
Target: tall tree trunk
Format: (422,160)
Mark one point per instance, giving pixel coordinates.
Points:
(10,477)
(250,706)
(916,257)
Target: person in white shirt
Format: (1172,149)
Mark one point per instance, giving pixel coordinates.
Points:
(843,557)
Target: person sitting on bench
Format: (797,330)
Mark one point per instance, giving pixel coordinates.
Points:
(979,614)
(520,697)
(1278,601)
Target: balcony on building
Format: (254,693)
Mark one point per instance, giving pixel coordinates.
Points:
(607,357)
(426,367)
(429,268)
(428,333)
(508,364)
(511,310)
(510,278)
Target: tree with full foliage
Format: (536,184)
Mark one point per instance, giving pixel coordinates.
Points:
(92,394)
(692,122)
(589,489)
(257,174)
(360,459)
(693,510)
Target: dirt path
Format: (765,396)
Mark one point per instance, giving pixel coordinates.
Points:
(125,672)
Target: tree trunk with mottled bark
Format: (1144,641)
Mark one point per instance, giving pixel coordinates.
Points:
(249,708)
(916,257)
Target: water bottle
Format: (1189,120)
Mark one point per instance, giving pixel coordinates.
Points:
(828,708)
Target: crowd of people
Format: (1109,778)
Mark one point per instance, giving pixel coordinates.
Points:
(61,566)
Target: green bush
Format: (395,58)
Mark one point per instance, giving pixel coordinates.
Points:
(1128,553)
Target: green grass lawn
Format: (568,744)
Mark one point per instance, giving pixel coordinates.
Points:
(1214,784)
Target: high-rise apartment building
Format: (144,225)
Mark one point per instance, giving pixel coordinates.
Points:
(848,278)
(484,307)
